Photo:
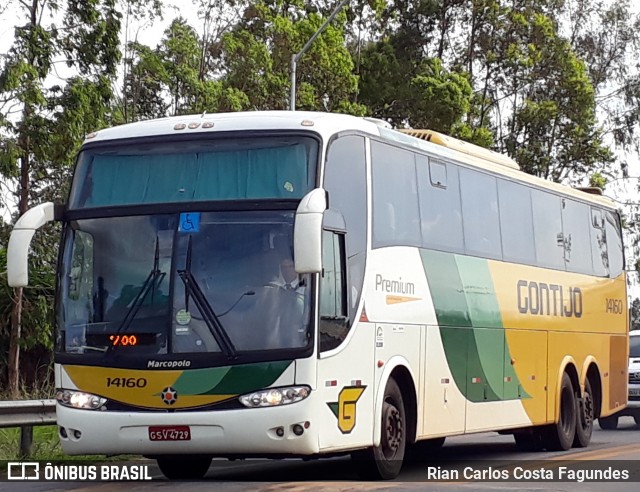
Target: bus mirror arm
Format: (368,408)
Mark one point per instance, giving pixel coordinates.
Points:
(20,241)
(307,232)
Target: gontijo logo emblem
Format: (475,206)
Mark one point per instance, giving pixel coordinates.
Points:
(345,408)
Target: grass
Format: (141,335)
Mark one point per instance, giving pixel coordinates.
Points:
(46,445)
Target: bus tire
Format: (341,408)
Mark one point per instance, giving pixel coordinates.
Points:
(636,418)
(608,423)
(184,467)
(559,436)
(584,418)
(384,462)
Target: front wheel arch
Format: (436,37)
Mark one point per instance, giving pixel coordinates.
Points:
(398,368)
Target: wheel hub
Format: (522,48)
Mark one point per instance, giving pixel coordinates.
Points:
(393,430)
(586,414)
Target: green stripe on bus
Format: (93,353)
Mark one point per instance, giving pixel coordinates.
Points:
(250,377)
(449,300)
(199,381)
(487,362)
(470,323)
(477,288)
(232,380)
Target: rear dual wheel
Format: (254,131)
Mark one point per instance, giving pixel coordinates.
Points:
(560,436)
(585,417)
(573,428)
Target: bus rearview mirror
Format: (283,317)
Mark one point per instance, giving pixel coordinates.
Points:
(20,241)
(307,232)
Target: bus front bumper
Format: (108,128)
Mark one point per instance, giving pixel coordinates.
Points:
(243,432)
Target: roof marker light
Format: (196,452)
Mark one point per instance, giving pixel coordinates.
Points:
(207,124)
(307,123)
(91,135)
(193,125)
(179,126)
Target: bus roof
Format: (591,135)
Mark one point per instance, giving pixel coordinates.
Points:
(327,124)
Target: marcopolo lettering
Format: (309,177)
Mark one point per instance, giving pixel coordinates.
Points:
(167,364)
(394,286)
(549,299)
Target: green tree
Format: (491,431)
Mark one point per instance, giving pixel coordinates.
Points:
(256,56)
(38,139)
(634,314)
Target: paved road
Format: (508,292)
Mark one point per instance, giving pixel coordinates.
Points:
(489,454)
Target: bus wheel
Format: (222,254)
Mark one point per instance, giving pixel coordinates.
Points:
(184,467)
(385,461)
(559,436)
(584,420)
(608,423)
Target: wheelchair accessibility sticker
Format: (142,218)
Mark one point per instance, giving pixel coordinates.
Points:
(189,222)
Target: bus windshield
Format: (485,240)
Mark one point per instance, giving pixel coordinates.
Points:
(182,283)
(239,168)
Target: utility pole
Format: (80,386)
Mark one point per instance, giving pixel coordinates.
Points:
(296,56)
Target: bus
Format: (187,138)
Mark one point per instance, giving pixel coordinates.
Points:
(299,284)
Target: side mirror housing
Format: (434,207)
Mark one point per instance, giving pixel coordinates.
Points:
(20,241)
(307,232)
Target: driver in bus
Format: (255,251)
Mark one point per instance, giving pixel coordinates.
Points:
(284,307)
(288,279)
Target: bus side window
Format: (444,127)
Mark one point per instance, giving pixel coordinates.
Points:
(614,244)
(480,217)
(396,216)
(578,256)
(599,253)
(80,281)
(334,322)
(346,182)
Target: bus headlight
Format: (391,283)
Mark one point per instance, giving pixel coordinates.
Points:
(79,399)
(275,396)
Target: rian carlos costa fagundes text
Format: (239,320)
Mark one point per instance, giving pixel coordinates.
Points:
(521,473)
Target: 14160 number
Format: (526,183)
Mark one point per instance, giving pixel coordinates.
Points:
(614,306)
(126,382)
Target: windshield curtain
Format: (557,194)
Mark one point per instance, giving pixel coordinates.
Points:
(182,283)
(277,167)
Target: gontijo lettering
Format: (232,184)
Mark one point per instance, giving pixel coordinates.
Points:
(549,299)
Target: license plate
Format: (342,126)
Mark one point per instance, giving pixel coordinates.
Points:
(634,391)
(169,433)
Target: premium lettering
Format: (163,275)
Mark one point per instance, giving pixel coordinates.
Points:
(394,286)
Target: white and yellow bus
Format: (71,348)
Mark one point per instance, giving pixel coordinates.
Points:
(436,290)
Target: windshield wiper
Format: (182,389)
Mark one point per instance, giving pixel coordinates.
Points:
(153,280)
(192,289)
